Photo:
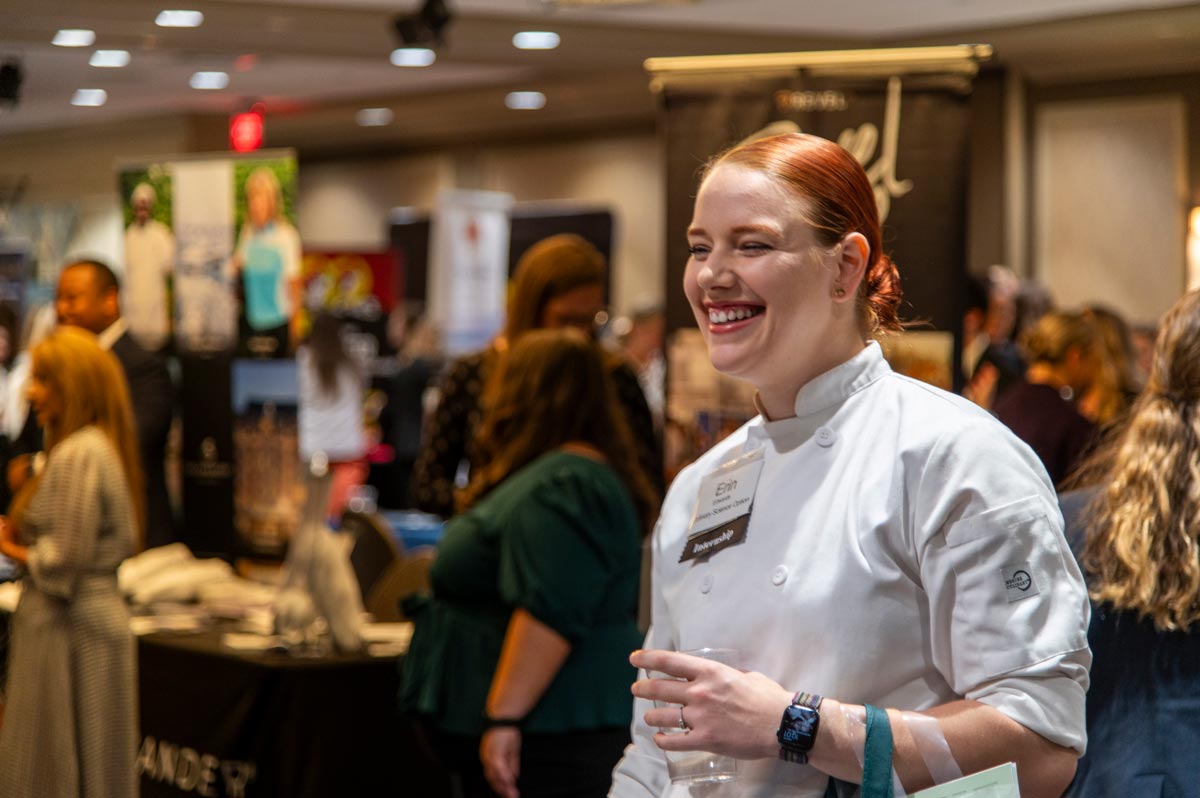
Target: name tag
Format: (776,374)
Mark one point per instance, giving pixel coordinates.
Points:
(723,507)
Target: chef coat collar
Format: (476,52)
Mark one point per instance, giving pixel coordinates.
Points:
(820,397)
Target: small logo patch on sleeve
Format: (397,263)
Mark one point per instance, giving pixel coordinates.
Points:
(1018,581)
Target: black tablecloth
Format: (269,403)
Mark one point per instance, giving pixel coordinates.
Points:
(218,722)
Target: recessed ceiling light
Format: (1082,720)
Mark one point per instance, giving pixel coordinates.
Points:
(209,81)
(535,40)
(74,37)
(525,100)
(112,59)
(179,18)
(89,97)
(413,57)
(374,117)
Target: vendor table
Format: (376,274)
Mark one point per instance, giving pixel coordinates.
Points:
(221,722)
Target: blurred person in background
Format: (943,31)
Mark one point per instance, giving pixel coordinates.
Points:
(149,266)
(559,282)
(418,361)
(519,662)
(1115,387)
(1143,337)
(267,262)
(991,361)
(331,414)
(21,432)
(1135,530)
(88,296)
(70,719)
(1064,353)
(644,345)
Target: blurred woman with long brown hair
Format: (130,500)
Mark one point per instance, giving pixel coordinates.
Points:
(519,660)
(1140,542)
(70,721)
(558,284)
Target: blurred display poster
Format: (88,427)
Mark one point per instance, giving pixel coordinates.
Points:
(149,254)
(205,313)
(214,237)
(468,267)
(360,288)
(925,355)
(268,491)
(703,405)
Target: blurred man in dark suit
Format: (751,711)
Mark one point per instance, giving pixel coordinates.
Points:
(89,297)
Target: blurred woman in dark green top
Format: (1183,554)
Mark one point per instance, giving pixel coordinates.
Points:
(519,663)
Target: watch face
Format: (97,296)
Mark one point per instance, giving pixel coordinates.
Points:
(799,727)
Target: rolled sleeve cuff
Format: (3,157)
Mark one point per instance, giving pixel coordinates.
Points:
(1047,698)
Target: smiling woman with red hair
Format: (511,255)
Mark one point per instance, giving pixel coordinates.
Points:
(900,549)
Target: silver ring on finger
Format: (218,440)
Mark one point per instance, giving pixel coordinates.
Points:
(682,723)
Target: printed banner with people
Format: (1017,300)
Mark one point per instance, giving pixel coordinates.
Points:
(212,255)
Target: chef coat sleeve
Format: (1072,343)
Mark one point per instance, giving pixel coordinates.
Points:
(1008,606)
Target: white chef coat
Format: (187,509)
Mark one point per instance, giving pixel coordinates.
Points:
(888,526)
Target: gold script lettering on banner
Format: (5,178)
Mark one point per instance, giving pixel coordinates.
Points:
(859,142)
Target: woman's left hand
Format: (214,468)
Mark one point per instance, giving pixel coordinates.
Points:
(727,711)
(500,753)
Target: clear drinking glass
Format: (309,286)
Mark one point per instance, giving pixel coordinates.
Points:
(693,769)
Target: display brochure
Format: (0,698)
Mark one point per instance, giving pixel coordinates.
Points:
(997,782)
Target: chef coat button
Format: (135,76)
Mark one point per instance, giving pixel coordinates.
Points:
(779,575)
(706,583)
(825,437)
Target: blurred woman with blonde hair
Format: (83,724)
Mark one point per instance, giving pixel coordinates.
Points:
(1141,555)
(70,722)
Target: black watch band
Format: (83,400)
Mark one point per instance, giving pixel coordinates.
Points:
(495,723)
(798,727)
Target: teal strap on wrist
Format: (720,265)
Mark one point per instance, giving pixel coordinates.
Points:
(877,765)
(877,755)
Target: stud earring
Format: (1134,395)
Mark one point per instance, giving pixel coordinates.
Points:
(839,291)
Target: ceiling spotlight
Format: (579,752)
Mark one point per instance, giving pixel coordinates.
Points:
(109,59)
(74,37)
(525,100)
(91,98)
(179,18)
(374,117)
(425,27)
(10,83)
(413,57)
(209,81)
(535,40)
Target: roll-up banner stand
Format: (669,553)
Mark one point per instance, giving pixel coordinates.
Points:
(903,113)
(212,274)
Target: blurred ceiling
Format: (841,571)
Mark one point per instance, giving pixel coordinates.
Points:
(315,63)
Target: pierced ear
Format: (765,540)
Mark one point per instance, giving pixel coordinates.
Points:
(851,264)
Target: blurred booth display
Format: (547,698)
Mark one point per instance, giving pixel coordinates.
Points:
(212,253)
(360,288)
(468,271)
(268,487)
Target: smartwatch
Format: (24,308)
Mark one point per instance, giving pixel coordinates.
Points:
(798,728)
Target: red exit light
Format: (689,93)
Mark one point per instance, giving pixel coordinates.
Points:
(246,131)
